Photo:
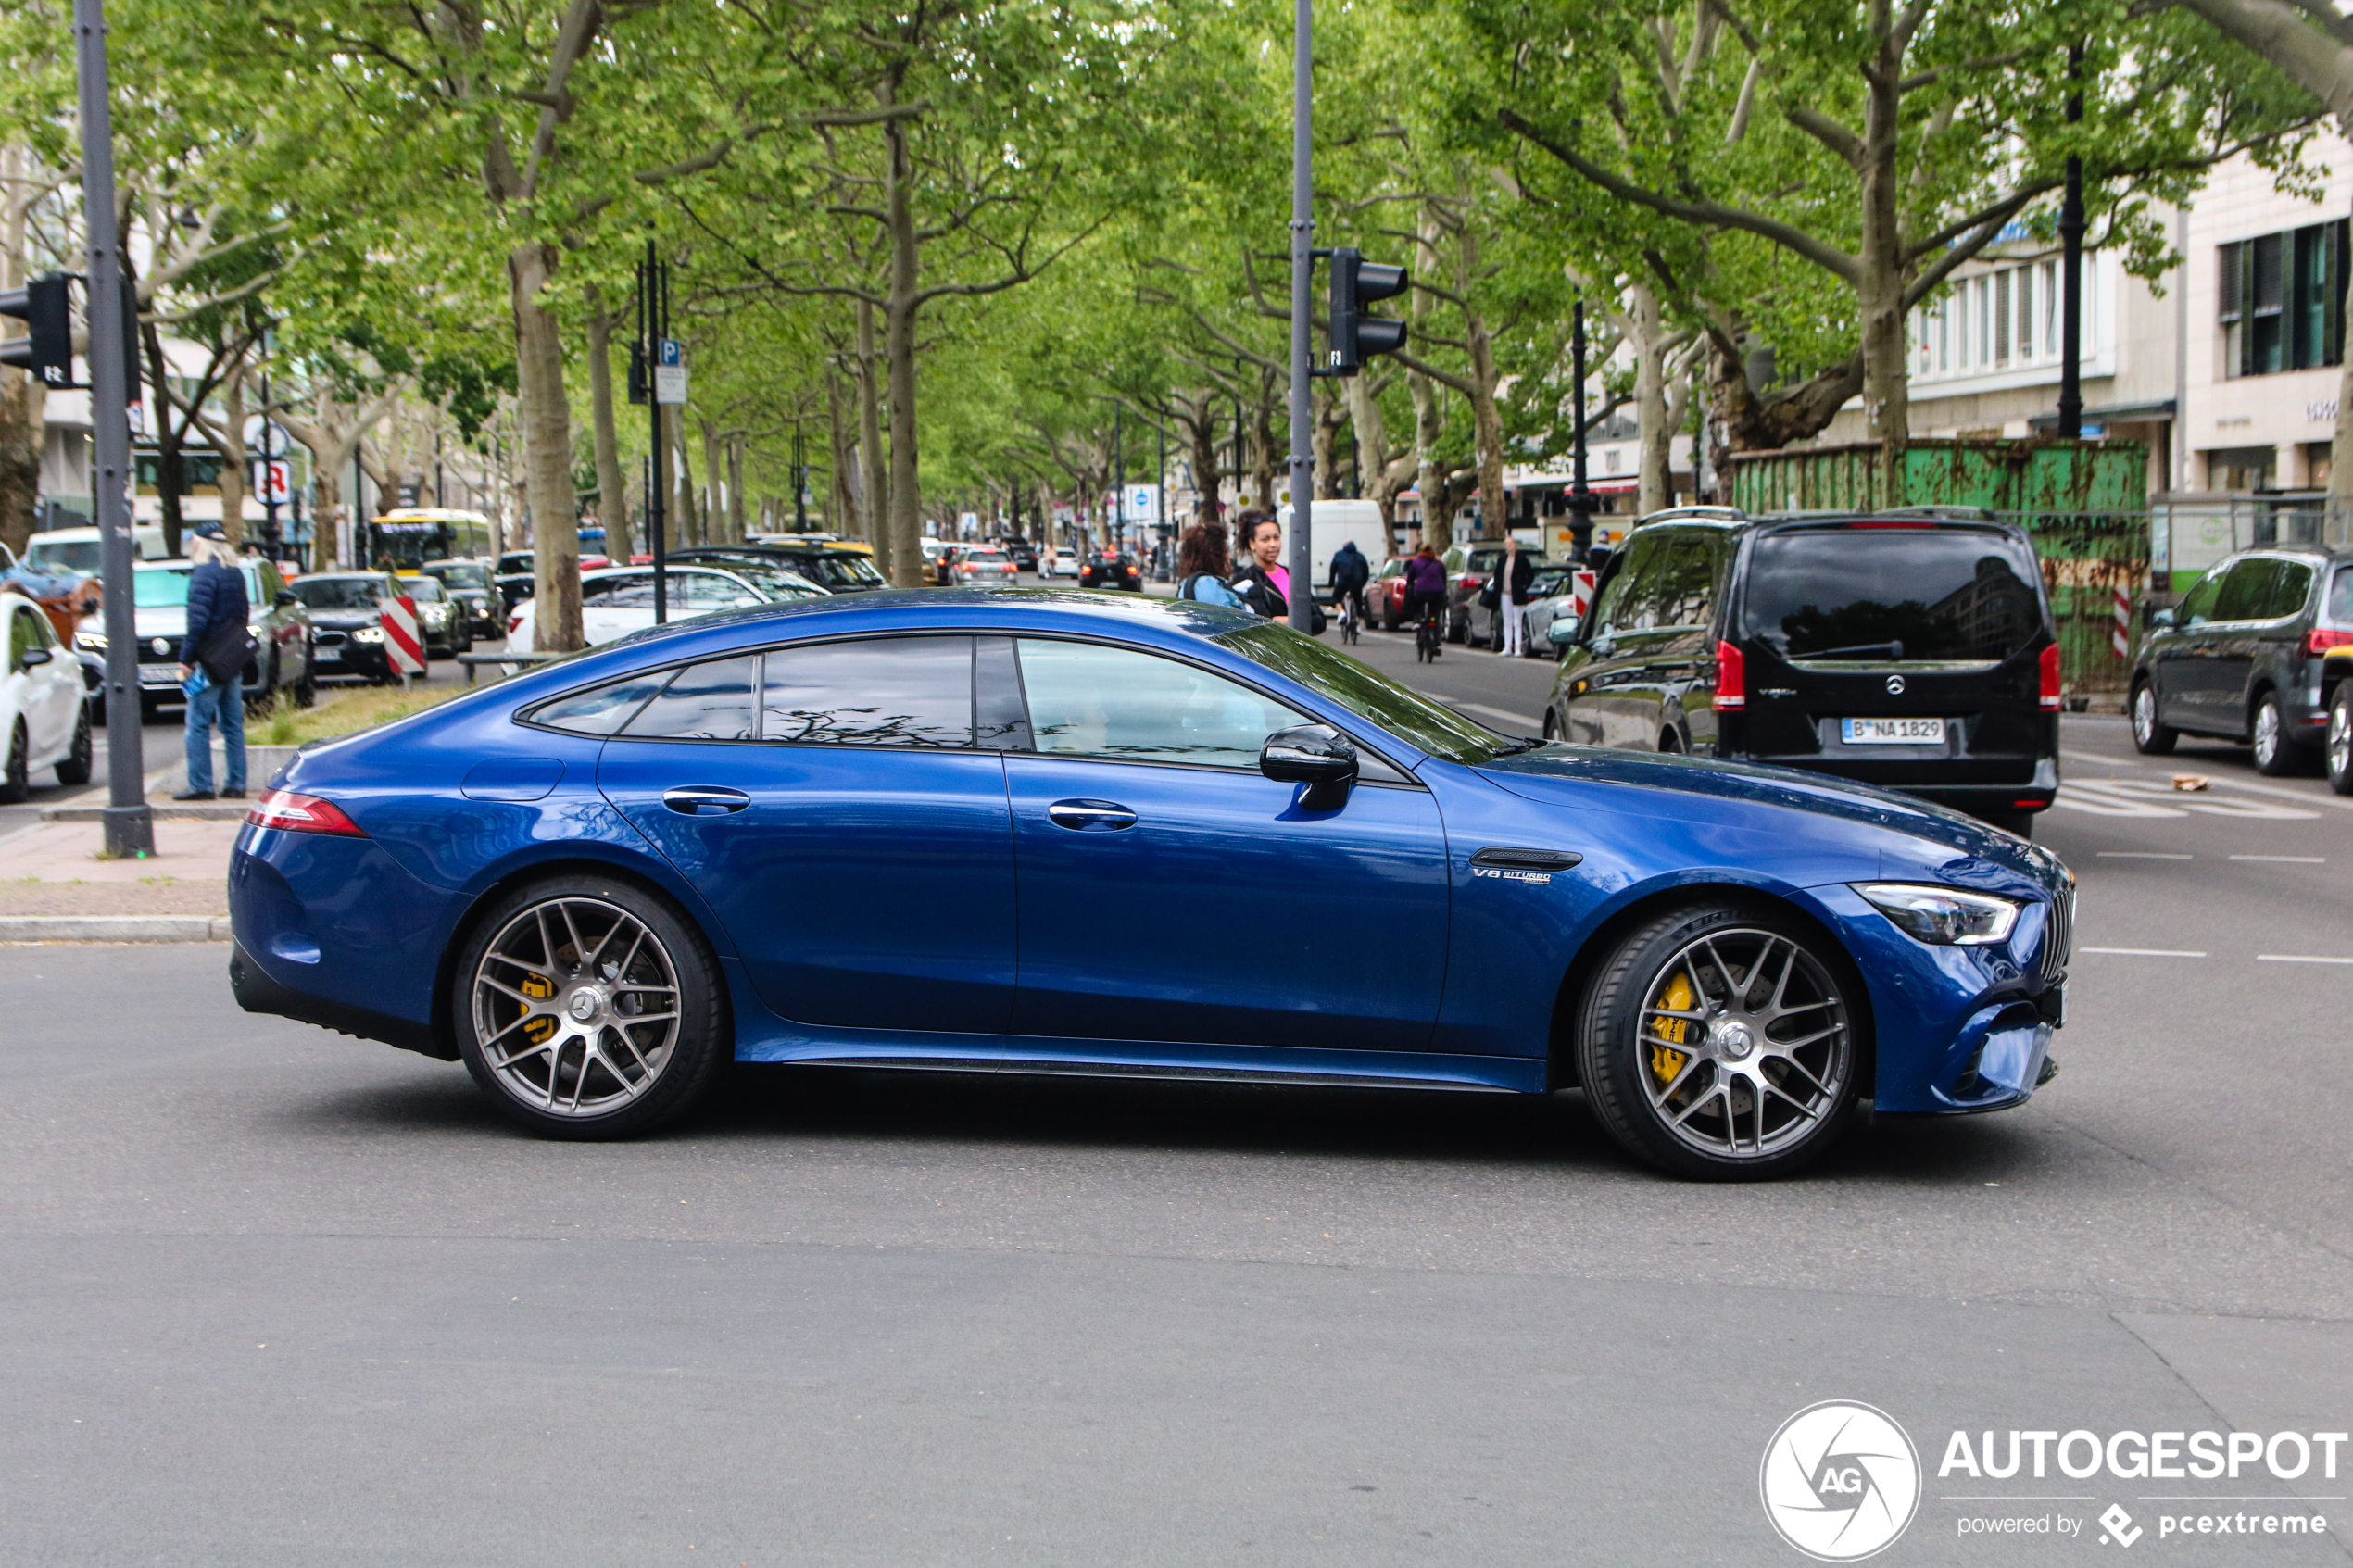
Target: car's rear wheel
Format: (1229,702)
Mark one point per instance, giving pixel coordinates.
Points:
(2275,753)
(2340,741)
(1718,1043)
(2149,737)
(588,1009)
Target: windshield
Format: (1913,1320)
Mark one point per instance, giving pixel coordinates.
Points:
(461,575)
(339,593)
(161,590)
(79,555)
(425,590)
(1894,594)
(844,570)
(1367,694)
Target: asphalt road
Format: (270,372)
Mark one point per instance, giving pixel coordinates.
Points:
(280,1297)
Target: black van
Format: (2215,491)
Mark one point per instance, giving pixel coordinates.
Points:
(1913,651)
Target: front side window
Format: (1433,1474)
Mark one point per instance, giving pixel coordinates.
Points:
(1088,701)
(1626,603)
(2197,605)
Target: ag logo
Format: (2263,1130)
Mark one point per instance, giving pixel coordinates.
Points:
(1895,685)
(1840,1480)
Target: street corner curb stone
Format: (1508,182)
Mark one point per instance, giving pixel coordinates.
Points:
(114,928)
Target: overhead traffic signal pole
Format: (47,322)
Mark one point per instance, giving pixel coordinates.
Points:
(1303,288)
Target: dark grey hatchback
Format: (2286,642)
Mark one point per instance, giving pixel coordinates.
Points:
(2240,657)
(1913,652)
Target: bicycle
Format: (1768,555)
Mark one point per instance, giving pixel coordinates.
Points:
(1351,618)
(1428,643)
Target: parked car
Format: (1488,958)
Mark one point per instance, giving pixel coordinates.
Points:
(1109,568)
(1023,554)
(1915,652)
(1055,561)
(1468,568)
(619,600)
(468,582)
(347,615)
(516,575)
(1725,962)
(2241,657)
(983,566)
(442,621)
(838,567)
(284,654)
(1386,594)
(1482,627)
(45,707)
(1552,600)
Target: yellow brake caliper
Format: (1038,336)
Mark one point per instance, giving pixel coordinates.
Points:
(539,1031)
(1666,1062)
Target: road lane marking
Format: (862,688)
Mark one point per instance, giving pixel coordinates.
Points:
(2143,854)
(2103,761)
(2284,859)
(1533,724)
(2295,957)
(2147,797)
(2150,952)
(2300,797)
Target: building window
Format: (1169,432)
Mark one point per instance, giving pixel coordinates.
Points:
(2280,300)
(2002,316)
(2240,468)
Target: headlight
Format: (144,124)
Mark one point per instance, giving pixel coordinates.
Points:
(1943,917)
(89,641)
(434,614)
(368,634)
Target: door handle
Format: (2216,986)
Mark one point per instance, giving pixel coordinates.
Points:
(704,800)
(1090,816)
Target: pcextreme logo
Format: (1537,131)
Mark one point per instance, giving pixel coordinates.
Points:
(1840,1480)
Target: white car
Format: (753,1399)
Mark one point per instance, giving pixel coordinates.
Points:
(1054,561)
(44,715)
(618,600)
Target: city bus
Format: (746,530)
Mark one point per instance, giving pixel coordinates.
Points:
(406,539)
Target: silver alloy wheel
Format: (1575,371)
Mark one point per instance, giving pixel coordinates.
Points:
(2145,713)
(1747,1044)
(2340,738)
(2267,734)
(575,1005)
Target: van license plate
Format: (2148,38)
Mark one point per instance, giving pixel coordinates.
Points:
(1891,732)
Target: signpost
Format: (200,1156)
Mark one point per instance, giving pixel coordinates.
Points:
(658,351)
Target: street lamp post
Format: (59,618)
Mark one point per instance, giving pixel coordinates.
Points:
(129,825)
(1581,494)
(2071,400)
(1303,289)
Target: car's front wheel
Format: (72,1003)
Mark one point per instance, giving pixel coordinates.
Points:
(588,1009)
(1720,1043)
(2340,740)
(74,769)
(2149,737)
(2275,753)
(17,770)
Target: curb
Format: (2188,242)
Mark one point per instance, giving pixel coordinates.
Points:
(158,811)
(114,928)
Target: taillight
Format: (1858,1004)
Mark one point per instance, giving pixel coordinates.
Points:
(2317,643)
(302,813)
(2051,678)
(1732,678)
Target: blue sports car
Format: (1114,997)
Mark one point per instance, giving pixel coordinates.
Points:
(1057,832)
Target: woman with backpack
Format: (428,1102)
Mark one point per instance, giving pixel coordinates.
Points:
(1202,566)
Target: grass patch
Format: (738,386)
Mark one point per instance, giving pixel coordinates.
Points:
(341,712)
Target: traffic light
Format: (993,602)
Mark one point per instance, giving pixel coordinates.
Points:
(1356,337)
(47,308)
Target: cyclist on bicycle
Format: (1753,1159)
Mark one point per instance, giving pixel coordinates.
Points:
(1426,591)
(1350,572)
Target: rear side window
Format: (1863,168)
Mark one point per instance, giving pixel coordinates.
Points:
(2293,586)
(2246,592)
(711,701)
(1875,595)
(600,711)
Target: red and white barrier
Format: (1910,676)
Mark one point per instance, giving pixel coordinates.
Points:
(2119,636)
(404,651)
(1581,592)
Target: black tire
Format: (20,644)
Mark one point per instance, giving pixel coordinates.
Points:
(631,1096)
(306,690)
(1389,617)
(1670,742)
(1766,973)
(1458,630)
(1551,730)
(2149,737)
(2276,752)
(75,768)
(2339,745)
(16,772)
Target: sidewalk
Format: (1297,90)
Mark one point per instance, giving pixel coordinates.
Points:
(52,870)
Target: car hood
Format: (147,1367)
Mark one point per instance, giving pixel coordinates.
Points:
(1912,838)
(343,620)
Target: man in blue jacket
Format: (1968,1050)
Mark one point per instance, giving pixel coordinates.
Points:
(217,642)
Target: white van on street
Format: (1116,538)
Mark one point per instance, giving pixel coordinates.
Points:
(1335,523)
(76,549)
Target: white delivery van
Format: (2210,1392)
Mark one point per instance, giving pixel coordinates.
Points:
(76,549)
(1335,523)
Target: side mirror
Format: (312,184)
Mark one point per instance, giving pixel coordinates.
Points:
(2161,617)
(1316,756)
(285,598)
(31,657)
(1562,632)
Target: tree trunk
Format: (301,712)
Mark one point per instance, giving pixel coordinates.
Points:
(1201,435)
(1262,457)
(841,517)
(735,529)
(874,505)
(1880,287)
(545,417)
(1487,419)
(22,411)
(1324,441)
(612,490)
(1658,482)
(686,523)
(899,349)
(231,445)
(714,487)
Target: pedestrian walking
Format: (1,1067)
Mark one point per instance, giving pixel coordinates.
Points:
(1202,566)
(1512,577)
(213,653)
